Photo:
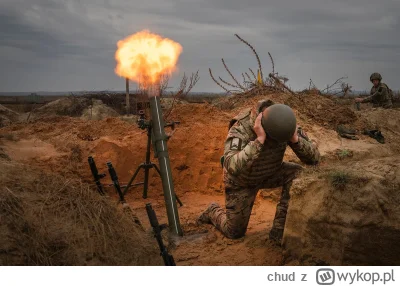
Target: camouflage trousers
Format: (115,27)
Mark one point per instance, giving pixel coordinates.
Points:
(386,104)
(233,221)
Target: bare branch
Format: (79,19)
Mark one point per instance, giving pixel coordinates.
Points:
(248,76)
(220,85)
(254,51)
(234,79)
(164,80)
(338,81)
(183,91)
(244,79)
(254,75)
(252,84)
(184,88)
(227,83)
(273,64)
(194,78)
(183,83)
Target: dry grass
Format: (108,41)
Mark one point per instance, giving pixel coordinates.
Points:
(50,220)
(343,179)
(344,153)
(339,179)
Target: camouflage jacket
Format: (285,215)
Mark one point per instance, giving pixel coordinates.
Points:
(380,96)
(248,162)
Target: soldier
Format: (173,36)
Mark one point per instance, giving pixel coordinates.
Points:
(380,95)
(253,160)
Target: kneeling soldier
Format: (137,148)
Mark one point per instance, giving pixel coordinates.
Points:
(380,95)
(253,160)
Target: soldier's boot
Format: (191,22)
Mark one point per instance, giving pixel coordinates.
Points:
(278,225)
(205,218)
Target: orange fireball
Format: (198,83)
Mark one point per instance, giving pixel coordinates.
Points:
(143,57)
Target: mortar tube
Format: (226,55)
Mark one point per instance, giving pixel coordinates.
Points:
(160,143)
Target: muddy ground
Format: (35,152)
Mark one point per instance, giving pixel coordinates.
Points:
(61,145)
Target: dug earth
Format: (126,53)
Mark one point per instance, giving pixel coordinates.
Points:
(347,217)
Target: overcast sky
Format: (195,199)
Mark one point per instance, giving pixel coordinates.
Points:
(65,45)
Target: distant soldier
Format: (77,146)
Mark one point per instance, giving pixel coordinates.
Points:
(253,160)
(380,95)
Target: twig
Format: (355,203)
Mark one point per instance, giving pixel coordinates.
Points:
(220,85)
(183,90)
(339,80)
(248,76)
(234,79)
(194,78)
(244,79)
(227,83)
(273,64)
(164,80)
(254,51)
(254,75)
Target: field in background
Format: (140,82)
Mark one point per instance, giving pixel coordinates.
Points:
(26,103)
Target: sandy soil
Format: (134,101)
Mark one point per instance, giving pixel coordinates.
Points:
(62,145)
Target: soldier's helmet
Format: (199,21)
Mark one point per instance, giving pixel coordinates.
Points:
(279,122)
(374,76)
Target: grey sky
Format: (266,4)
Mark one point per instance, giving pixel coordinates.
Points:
(61,45)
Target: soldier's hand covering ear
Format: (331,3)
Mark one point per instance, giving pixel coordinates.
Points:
(295,137)
(259,130)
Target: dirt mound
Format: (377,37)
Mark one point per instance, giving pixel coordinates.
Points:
(195,149)
(387,120)
(347,217)
(68,106)
(74,106)
(313,107)
(97,111)
(7,116)
(323,110)
(50,220)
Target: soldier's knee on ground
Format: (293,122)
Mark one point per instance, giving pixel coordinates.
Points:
(235,229)
(235,233)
